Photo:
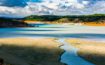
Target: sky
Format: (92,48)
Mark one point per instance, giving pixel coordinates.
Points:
(22,8)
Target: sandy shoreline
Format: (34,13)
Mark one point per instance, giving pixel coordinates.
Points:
(26,51)
(90,50)
(85,23)
(94,24)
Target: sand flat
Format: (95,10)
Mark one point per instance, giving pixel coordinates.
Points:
(35,51)
(41,42)
(92,51)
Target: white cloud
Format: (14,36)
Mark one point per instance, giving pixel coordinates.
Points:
(56,7)
(85,2)
(14,11)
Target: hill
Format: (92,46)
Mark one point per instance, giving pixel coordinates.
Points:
(12,22)
(73,18)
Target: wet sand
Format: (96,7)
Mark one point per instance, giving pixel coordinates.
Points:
(93,51)
(30,51)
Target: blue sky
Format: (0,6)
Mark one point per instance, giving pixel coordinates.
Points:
(21,8)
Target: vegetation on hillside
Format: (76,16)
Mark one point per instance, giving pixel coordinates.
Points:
(16,22)
(12,22)
(74,18)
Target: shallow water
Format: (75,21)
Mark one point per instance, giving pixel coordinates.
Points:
(70,57)
(56,31)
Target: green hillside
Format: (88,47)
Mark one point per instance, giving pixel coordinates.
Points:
(73,18)
(12,22)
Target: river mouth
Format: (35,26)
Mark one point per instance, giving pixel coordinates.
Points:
(60,32)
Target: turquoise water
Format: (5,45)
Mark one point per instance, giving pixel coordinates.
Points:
(54,30)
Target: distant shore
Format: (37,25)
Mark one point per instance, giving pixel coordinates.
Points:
(85,23)
(94,24)
(11,24)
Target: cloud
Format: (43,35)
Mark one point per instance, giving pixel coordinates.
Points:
(21,8)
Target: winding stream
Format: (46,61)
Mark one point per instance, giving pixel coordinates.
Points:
(70,57)
(60,32)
